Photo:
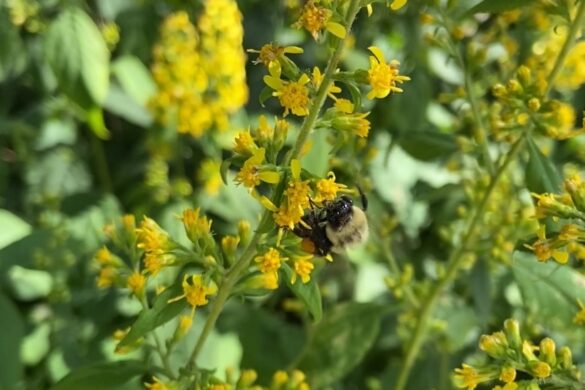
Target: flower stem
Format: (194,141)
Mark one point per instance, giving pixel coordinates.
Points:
(456,258)
(575,26)
(453,265)
(234,273)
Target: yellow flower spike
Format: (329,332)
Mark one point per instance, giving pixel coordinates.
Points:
(336,29)
(397,4)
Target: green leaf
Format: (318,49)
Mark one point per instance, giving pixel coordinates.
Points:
(549,290)
(101,376)
(13,228)
(265,94)
(541,174)
(79,57)
(95,120)
(160,313)
(36,345)
(30,284)
(135,78)
(12,326)
(495,6)
(340,342)
(121,104)
(428,145)
(307,292)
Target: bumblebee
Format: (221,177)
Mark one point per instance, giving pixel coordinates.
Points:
(334,227)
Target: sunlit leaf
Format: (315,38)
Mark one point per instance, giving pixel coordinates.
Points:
(101,376)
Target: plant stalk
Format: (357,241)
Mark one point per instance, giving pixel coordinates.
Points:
(234,273)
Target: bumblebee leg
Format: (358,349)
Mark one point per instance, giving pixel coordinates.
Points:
(363,198)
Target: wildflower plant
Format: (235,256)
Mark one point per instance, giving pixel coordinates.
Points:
(157,194)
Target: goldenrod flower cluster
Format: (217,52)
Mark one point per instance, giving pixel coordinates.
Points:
(541,366)
(521,103)
(568,210)
(197,87)
(281,380)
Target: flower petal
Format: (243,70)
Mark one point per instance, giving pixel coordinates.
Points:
(397,4)
(336,29)
(271,177)
(273,82)
(293,50)
(295,168)
(370,9)
(378,53)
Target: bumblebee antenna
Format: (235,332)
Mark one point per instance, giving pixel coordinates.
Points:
(363,198)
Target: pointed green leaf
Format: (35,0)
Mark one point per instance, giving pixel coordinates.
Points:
(308,293)
(79,57)
(12,326)
(159,314)
(428,145)
(101,376)
(541,174)
(495,6)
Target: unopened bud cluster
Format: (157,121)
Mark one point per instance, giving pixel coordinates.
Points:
(515,363)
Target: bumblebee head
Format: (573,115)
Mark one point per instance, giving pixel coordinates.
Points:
(339,212)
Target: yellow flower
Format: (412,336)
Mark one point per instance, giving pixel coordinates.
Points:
(544,249)
(292,95)
(135,283)
(469,377)
(270,261)
(209,174)
(271,52)
(572,73)
(105,258)
(264,131)
(383,77)
(327,188)
(196,227)
(154,262)
(195,292)
(185,323)
(344,105)
(279,378)
(317,79)
(107,277)
(287,217)
(229,245)
(252,174)
(507,386)
(315,18)
(303,268)
(156,385)
(151,238)
(244,144)
(356,123)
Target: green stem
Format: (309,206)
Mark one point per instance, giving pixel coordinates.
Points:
(453,265)
(164,357)
(456,258)
(233,275)
(479,129)
(101,163)
(575,26)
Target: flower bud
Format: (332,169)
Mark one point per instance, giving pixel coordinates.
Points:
(524,75)
(565,358)
(512,330)
(539,369)
(508,374)
(244,231)
(547,351)
(247,378)
(534,104)
(576,188)
(499,90)
(494,345)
